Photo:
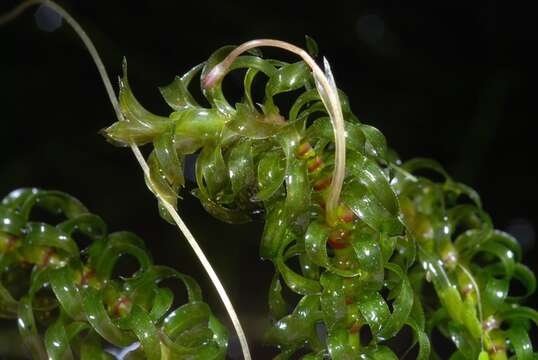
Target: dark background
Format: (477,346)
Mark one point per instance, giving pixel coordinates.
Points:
(449,81)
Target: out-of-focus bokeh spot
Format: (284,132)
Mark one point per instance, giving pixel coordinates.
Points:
(370,28)
(373,30)
(523,231)
(47,19)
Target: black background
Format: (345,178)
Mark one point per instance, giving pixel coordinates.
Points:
(449,80)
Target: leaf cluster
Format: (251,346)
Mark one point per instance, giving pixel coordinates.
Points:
(69,303)
(405,252)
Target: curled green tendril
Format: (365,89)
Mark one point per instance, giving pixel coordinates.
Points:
(48,282)
(406,252)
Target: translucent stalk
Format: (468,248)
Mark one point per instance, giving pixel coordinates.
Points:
(329,95)
(141,161)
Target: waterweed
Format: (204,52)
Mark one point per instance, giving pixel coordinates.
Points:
(73,293)
(400,251)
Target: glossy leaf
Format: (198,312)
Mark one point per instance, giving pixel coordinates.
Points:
(92,306)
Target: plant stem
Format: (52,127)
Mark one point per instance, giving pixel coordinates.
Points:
(139,157)
(478,299)
(329,96)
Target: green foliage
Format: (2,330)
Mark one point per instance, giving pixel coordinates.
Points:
(48,282)
(405,252)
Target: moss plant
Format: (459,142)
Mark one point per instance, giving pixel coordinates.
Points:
(380,247)
(73,294)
